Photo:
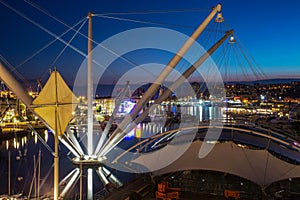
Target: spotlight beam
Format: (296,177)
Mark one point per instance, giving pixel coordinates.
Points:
(70,146)
(115,140)
(90,184)
(119,134)
(111,177)
(102,176)
(118,102)
(68,140)
(67,177)
(72,181)
(75,142)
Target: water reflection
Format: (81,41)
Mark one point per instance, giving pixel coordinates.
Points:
(24,148)
(160,119)
(20,151)
(18,139)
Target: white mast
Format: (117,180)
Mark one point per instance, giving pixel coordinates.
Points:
(180,80)
(8,172)
(56,142)
(35,166)
(39,175)
(118,134)
(90,89)
(15,86)
(43,107)
(90,108)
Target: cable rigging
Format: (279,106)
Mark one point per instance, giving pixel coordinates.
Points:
(50,43)
(85,36)
(69,42)
(225,53)
(238,65)
(156,12)
(143,21)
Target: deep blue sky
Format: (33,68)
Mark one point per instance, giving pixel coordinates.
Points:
(270,29)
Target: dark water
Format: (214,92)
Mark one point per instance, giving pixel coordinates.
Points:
(22,166)
(22,161)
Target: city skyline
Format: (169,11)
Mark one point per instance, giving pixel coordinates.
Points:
(267,29)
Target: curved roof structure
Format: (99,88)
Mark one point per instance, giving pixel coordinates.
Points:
(258,158)
(259,166)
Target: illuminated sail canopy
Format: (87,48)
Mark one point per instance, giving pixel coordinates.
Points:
(55,103)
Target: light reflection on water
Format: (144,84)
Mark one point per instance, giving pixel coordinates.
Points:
(23,150)
(158,124)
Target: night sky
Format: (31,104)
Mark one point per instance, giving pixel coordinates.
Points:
(270,30)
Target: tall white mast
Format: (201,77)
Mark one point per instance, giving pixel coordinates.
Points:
(56,142)
(117,135)
(90,89)
(39,175)
(90,107)
(8,172)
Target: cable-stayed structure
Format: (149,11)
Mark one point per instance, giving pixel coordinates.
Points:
(96,151)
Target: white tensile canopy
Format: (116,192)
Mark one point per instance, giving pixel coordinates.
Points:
(55,103)
(258,166)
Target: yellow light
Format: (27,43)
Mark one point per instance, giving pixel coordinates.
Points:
(46,135)
(15,143)
(138,131)
(35,138)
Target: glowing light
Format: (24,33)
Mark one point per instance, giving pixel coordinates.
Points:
(242,146)
(86,157)
(74,177)
(212,142)
(15,143)
(90,135)
(111,176)
(70,148)
(126,107)
(46,135)
(138,131)
(90,184)
(35,138)
(232,40)
(102,176)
